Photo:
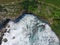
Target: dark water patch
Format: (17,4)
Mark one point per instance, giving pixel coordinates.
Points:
(18,19)
(1,26)
(4,23)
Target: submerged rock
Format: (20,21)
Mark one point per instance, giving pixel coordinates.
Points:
(29,30)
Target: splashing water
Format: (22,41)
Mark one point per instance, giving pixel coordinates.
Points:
(29,31)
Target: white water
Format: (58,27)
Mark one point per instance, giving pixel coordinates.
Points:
(29,31)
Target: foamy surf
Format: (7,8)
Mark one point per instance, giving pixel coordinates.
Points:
(29,31)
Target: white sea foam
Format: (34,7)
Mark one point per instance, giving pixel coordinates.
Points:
(29,31)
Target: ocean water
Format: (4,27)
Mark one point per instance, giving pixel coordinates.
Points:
(4,23)
(29,30)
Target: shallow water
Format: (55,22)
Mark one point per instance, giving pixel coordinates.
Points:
(29,30)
